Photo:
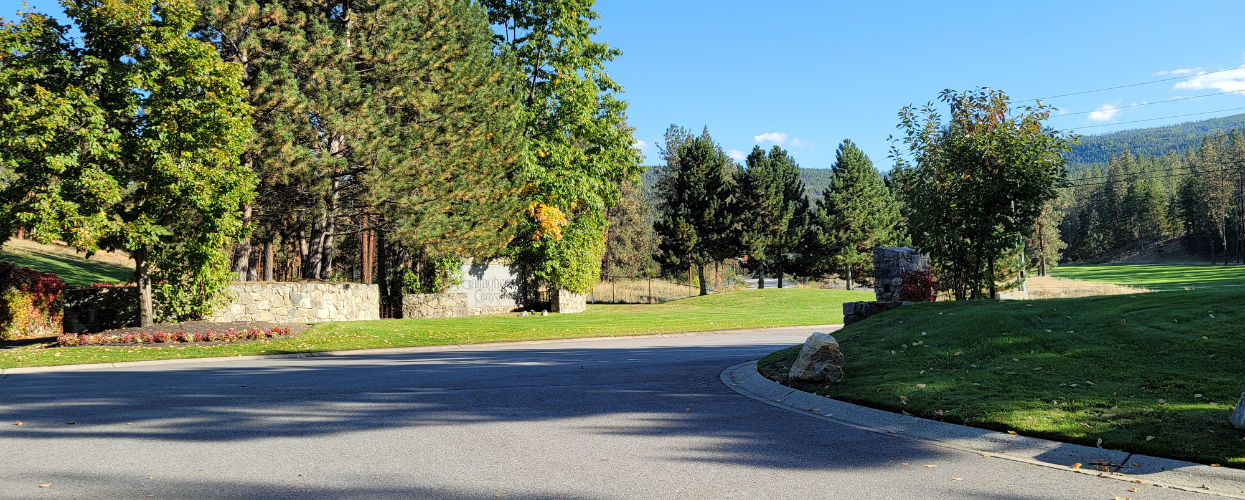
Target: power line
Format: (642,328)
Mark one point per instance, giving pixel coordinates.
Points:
(1131,106)
(1163,176)
(1160,118)
(1129,85)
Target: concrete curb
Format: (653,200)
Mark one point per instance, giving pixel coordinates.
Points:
(1141,469)
(5,372)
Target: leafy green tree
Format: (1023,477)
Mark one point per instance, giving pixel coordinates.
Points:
(167,124)
(855,214)
(771,209)
(976,182)
(696,222)
(581,150)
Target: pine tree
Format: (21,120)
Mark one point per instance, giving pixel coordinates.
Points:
(695,225)
(855,214)
(771,209)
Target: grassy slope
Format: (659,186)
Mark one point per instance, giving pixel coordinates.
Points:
(742,309)
(72,269)
(1158,276)
(1118,368)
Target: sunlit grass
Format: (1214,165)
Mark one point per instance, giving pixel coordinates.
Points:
(733,310)
(1152,373)
(1159,276)
(70,268)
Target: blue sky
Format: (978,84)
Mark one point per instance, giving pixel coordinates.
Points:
(808,74)
(819,71)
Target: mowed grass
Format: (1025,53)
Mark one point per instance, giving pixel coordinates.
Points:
(734,310)
(1151,373)
(1159,277)
(69,267)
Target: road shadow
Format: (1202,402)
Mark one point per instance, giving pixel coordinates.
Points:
(661,391)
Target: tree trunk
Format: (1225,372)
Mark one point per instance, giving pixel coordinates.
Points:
(781,271)
(315,247)
(326,259)
(990,269)
(253,264)
(242,250)
(849,278)
(700,272)
(761,277)
(268,260)
(142,275)
(382,264)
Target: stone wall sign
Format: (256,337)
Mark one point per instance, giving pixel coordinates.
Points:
(490,287)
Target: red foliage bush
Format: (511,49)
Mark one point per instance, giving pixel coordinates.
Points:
(917,286)
(231,335)
(30,303)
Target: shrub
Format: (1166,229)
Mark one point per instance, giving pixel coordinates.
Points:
(917,286)
(30,303)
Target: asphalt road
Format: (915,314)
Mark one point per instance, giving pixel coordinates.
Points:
(615,419)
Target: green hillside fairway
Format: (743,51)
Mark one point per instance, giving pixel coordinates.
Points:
(1151,373)
(1158,276)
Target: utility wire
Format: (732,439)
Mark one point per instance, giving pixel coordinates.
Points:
(1131,106)
(1170,175)
(1153,119)
(1184,77)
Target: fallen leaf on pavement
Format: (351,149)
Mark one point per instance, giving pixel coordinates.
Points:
(1011,432)
(71,423)
(931,465)
(19,422)
(46,485)
(957,479)
(1076,465)
(1133,489)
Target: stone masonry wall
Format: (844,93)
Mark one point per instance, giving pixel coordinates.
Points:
(300,302)
(889,264)
(568,302)
(434,305)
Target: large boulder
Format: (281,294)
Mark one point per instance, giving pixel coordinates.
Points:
(1238,413)
(819,360)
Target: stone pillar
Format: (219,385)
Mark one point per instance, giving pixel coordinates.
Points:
(889,265)
(567,302)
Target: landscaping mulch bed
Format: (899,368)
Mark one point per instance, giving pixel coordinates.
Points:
(207,326)
(189,333)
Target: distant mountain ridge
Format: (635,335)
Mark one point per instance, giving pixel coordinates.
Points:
(1154,141)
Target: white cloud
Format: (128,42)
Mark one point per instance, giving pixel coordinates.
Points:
(1104,113)
(641,145)
(1181,71)
(797,143)
(736,154)
(774,137)
(1224,81)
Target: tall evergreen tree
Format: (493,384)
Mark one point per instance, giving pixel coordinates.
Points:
(771,210)
(855,214)
(695,224)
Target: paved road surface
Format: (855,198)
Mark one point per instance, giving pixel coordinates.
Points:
(617,419)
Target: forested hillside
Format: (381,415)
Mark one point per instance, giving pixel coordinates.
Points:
(1156,141)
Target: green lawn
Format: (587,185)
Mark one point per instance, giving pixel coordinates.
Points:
(1151,373)
(742,309)
(71,269)
(1158,276)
